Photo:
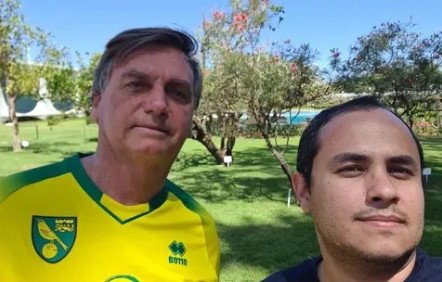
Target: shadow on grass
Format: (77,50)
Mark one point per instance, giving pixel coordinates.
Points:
(220,186)
(61,147)
(246,157)
(188,160)
(432,242)
(259,156)
(268,246)
(431,142)
(255,173)
(5,149)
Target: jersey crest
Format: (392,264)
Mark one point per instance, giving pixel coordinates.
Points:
(53,237)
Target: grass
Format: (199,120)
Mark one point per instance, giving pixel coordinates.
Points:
(259,234)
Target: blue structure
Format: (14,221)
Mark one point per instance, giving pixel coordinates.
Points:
(303,116)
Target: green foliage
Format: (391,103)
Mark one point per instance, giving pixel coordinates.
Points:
(242,75)
(425,128)
(397,64)
(85,77)
(225,38)
(54,120)
(60,75)
(16,37)
(17,76)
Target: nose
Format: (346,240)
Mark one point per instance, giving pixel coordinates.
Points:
(381,190)
(156,102)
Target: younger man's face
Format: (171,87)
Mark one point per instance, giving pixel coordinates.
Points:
(366,195)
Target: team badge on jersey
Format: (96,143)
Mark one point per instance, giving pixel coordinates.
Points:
(53,237)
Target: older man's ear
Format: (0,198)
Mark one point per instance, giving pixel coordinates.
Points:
(301,191)
(96,98)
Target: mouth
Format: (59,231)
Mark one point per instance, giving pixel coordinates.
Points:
(383,221)
(150,127)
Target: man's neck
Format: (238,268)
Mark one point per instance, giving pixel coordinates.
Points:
(127,181)
(351,270)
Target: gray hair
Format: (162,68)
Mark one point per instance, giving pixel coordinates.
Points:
(131,40)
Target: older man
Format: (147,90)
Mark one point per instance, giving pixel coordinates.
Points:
(359,176)
(113,215)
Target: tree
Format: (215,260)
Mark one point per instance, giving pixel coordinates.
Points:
(84,80)
(224,36)
(398,65)
(244,74)
(60,75)
(17,77)
(278,83)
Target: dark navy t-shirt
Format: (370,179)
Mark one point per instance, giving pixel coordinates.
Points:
(426,269)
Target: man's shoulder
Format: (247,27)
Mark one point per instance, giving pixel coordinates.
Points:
(14,182)
(305,271)
(427,268)
(205,219)
(188,201)
(435,264)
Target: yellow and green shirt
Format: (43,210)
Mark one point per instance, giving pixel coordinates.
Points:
(56,225)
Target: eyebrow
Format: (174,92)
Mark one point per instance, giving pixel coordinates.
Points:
(135,74)
(402,160)
(141,75)
(181,83)
(350,157)
(354,157)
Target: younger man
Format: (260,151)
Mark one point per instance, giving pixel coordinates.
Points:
(359,176)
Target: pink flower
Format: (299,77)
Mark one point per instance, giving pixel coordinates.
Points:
(240,17)
(293,67)
(218,15)
(240,28)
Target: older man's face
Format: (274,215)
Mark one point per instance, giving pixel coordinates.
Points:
(146,108)
(366,195)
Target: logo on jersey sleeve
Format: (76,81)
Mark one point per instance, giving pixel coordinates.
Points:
(53,237)
(178,250)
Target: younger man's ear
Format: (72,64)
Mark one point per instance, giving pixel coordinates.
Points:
(301,191)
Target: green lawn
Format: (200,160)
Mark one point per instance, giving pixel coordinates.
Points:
(259,234)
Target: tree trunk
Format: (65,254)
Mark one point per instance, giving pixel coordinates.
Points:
(411,122)
(284,166)
(16,142)
(222,145)
(199,134)
(438,106)
(230,144)
(263,129)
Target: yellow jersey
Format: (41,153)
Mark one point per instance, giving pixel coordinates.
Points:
(56,225)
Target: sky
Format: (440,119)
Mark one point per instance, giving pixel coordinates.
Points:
(86,25)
